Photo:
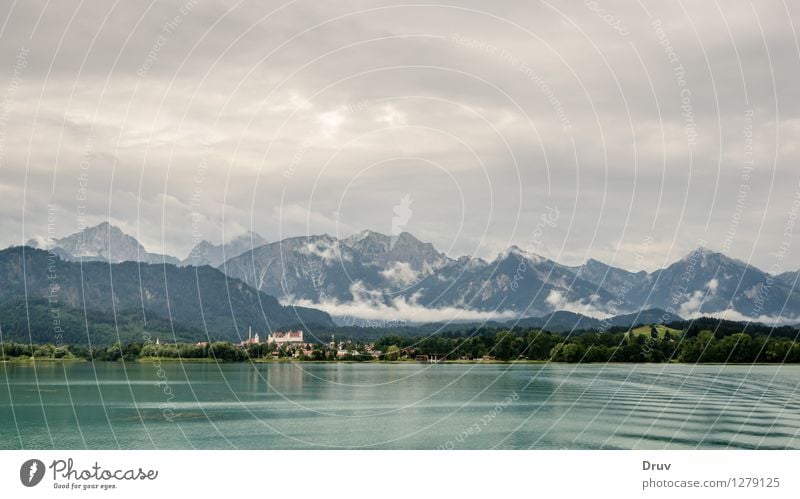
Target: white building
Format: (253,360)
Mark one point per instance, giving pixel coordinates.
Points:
(286,338)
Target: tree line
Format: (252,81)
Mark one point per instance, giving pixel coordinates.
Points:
(689,346)
(220,350)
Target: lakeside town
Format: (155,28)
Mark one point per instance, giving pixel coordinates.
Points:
(701,340)
(295,344)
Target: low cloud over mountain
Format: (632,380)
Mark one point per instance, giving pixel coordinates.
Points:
(374,276)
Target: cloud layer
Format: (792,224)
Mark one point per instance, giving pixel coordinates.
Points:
(670,123)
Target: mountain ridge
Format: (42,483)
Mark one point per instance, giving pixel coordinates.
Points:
(208,253)
(400,274)
(702,282)
(107,243)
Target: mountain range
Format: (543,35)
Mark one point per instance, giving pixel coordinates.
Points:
(404,278)
(364,269)
(108,243)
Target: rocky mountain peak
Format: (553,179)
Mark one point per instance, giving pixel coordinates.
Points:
(107,242)
(208,253)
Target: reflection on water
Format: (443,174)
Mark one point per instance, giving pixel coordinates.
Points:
(407,405)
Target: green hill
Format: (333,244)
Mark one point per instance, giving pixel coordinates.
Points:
(36,322)
(662,330)
(198,302)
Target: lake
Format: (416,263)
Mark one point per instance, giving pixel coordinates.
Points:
(397,406)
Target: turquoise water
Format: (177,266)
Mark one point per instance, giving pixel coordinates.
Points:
(397,406)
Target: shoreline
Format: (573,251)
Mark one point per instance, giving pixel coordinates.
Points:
(173,360)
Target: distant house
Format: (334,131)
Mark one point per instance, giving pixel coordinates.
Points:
(342,353)
(285,338)
(433,358)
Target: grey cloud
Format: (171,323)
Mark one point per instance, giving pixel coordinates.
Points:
(220,100)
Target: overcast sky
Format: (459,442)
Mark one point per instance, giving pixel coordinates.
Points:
(650,127)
